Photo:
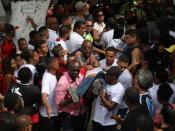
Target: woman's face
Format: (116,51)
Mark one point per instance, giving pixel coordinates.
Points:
(13,64)
(100,16)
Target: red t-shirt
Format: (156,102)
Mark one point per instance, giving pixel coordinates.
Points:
(8,48)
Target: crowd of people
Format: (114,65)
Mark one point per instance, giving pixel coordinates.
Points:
(91,68)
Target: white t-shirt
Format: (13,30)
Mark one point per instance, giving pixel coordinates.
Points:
(74,42)
(102,115)
(52,35)
(49,82)
(153,94)
(126,80)
(107,38)
(99,27)
(104,66)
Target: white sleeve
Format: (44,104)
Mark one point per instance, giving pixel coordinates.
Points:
(117,96)
(95,27)
(102,40)
(45,85)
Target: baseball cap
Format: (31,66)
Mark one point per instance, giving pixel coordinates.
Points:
(170,49)
(79,5)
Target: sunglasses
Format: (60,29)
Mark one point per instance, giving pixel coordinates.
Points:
(88,25)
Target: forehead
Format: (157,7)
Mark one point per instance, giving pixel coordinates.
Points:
(86,44)
(88,22)
(75,65)
(110,53)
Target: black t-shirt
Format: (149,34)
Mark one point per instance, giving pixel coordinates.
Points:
(31,96)
(130,121)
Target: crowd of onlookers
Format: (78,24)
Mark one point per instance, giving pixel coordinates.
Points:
(91,68)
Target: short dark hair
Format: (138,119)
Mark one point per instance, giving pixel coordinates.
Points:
(9,28)
(39,43)
(21,39)
(32,33)
(131,32)
(42,29)
(162,75)
(114,71)
(144,123)
(25,75)
(27,54)
(112,22)
(132,95)
(49,61)
(10,101)
(78,24)
(112,49)
(63,30)
(164,92)
(124,58)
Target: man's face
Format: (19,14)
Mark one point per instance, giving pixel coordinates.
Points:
(100,16)
(86,49)
(110,57)
(122,65)
(55,64)
(130,40)
(44,49)
(82,30)
(36,57)
(46,34)
(23,45)
(19,61)
(74,70)
(54,24)
(88,26)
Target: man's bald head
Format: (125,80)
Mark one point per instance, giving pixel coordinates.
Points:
(52,23)
(86,48)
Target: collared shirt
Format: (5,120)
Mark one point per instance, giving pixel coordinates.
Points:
(61,93)
(75,42)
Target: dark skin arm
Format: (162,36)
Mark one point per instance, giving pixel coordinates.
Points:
(106,103)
